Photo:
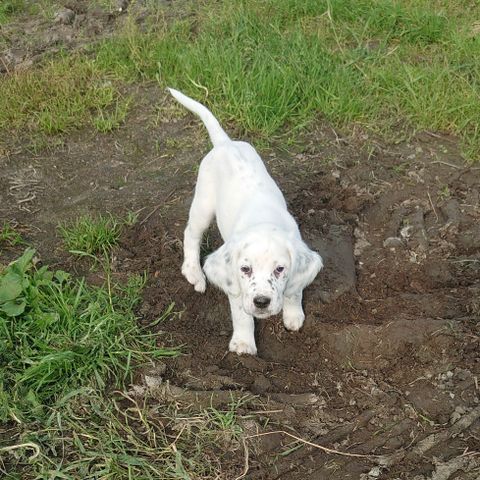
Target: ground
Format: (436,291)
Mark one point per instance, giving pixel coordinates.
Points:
(388,360)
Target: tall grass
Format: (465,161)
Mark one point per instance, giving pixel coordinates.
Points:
(274,66)
(65,349)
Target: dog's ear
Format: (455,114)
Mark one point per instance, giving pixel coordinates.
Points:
(305,265)
(219,267)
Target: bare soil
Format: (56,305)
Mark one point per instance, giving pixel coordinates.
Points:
(388,360)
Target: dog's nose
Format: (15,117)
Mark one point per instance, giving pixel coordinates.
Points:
(261,301)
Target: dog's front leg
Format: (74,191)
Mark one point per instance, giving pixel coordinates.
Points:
(293,316)
(243,338)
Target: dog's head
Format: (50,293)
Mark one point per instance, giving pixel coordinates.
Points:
(262,268)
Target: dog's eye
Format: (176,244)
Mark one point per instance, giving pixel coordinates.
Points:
(279,269)
(246,269)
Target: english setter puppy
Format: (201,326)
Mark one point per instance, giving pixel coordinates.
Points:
(264,265)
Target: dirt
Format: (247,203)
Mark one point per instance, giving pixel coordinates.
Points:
(74,25)
(388,361)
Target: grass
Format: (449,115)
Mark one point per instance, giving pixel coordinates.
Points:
(59,334)
(108,121)
(273,67)
(91,236)
(67,353)
(9,236)
(64,94)
(10,8)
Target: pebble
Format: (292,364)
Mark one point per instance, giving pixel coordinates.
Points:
(64,16)
(393,242)
(122,5)
(375,472)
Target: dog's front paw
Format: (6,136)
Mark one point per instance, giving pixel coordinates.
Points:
(241,346)
(195,276)
(293,321)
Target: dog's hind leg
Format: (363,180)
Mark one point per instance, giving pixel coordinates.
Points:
(201,215)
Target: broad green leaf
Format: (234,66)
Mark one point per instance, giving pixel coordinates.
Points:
(61,276)
(14,309)
(21,265)
(10,287)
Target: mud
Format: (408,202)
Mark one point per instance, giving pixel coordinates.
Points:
(388,357)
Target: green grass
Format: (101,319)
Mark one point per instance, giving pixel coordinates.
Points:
(64,94)
(9,236)
(273,67)
(67,355)
(91,236)
(10,8)
(106,121)
(59,334)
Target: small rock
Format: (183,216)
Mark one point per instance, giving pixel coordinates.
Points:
(375,472)
(457,414)
(122,5)
(153,382)
(65,16)
(393,242)
(406,232)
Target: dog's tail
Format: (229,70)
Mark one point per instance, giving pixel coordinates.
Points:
(216,132)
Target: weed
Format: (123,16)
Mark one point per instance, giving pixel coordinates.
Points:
(90,236)
(444,193)
(131,218)
(59,334)
(63,346)
(108,121)
(226,420)
(9,235)
(401,168)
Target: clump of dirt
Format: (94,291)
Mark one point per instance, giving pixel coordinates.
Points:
(387,362)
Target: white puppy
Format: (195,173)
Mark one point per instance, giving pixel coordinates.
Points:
(264,265)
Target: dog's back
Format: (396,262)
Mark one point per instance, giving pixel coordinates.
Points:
(233,172)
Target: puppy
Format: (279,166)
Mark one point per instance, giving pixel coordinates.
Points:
(264,265)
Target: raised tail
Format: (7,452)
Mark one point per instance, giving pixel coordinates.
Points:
(216,132)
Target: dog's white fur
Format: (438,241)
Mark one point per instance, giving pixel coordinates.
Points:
(263,258)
